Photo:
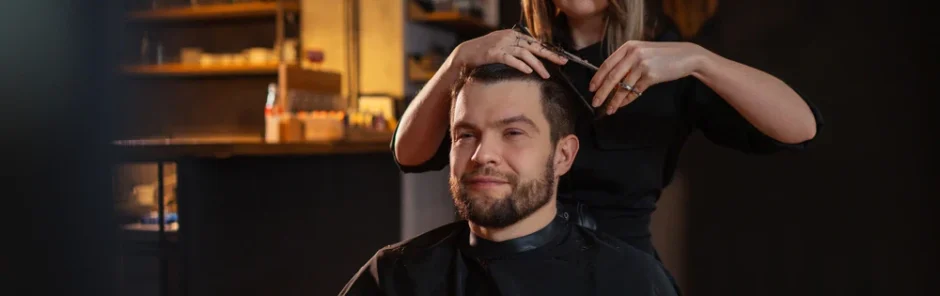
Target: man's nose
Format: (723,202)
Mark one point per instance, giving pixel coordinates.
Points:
(487,152)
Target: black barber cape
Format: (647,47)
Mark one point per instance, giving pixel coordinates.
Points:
(560,259)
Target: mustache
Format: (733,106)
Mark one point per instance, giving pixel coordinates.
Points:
(488,171)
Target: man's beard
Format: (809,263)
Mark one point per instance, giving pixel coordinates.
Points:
(500,212)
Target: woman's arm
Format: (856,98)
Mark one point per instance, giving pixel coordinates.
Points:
(424,123)
(764,100)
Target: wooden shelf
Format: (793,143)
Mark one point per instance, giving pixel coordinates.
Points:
(197,70)
(463,25)
(212,11)
(168,149)
(418,74)
(419,77)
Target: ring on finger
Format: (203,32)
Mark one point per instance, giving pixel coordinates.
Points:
(626,86)
(630,88)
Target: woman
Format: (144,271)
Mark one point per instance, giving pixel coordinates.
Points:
(627,157)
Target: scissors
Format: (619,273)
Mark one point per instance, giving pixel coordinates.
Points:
(571,57)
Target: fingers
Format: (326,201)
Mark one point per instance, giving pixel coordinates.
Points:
(642,85)
(514,62)
(624,96)
(612,61)
(612,79)
(530,59)
(538,49)
(616,101)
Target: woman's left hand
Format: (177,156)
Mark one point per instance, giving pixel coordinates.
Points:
(641,64)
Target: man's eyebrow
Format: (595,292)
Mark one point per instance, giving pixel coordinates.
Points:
(502,122)
(463,125)
(518,118)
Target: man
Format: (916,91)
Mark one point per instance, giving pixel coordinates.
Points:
(512,139)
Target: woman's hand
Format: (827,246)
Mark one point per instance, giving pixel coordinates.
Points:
(508,47)
(641,64)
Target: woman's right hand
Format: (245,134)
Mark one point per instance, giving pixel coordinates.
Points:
(509,47)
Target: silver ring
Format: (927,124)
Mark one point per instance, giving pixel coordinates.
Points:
(630,88)
(626,86)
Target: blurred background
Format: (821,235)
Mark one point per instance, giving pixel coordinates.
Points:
(258,132)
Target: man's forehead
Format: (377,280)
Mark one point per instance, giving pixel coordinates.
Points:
(498,100)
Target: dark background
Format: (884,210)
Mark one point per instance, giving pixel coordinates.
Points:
(853,216)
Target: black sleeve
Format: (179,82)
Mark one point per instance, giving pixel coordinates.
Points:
(725,126)
(371,278)
(437,162)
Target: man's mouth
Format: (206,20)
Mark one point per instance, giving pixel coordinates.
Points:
(482,182)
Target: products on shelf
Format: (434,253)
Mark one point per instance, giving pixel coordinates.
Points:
(376,122)
(272,125)
(315,126)
(307,117)
(323,125)
(271,114)
(291,128)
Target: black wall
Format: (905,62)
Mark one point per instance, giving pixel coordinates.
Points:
(285,225)
(852,216)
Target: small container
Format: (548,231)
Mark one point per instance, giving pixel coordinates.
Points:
(272,125)
(190,55)
(291,129)
(257,55)
(208,59)
(379,123)
(289,51)
(338,119)
(159,53)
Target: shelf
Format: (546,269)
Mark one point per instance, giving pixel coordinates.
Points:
(451,20)
(197,70)
(463,25)
(212,11)
(418,74)
(419,77)
(166,149)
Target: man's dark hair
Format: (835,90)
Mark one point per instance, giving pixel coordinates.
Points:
(556,100)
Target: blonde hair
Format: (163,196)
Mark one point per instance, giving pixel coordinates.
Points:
(625,21)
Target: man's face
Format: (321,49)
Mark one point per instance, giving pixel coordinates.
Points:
(501,160)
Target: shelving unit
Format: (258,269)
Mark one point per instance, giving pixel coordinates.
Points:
(177,121)
(463,25)
(454,23)
(197,86)
(183,70)
(214,11)
(175,149)
(416,74)
(452,20)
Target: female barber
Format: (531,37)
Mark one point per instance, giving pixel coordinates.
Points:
(653,89)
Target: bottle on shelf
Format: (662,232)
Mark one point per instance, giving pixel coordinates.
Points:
(272,116)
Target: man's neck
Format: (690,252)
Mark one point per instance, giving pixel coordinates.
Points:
(538,220)
(586,31)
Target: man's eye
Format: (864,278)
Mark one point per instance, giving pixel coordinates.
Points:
(513,132)
(464,135)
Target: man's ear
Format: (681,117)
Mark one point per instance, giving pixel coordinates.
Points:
(565,151)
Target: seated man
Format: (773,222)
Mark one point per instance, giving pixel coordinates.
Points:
(512,139)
